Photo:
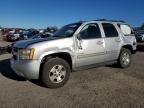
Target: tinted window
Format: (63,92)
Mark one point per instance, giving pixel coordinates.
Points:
(110,30)
(90,31)
(45,36)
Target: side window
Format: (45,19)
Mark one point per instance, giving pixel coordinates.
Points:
(126,29)
(110,30)
(90,31)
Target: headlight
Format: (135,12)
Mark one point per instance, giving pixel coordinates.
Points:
(26,54)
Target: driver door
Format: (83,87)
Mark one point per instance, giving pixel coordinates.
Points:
(91,46)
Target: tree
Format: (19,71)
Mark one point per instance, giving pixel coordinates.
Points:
(48,29)
(142,26)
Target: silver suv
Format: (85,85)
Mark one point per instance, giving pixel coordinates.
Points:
(74,47)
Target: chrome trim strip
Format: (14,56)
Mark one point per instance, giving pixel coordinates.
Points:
(89,55)
(95,54)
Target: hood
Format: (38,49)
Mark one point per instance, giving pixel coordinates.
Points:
(26,43)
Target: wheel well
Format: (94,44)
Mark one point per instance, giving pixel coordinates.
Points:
(128,47)
(62,55)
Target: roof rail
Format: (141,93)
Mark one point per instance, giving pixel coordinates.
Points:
(110,20)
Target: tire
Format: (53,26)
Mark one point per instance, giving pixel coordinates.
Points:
(124,60)
(55,73)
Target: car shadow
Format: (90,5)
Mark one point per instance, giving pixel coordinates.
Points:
(140,47)
(7,72)
(115,65)
(38,82)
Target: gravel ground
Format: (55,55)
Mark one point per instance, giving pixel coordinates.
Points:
(4,43)
(103,87)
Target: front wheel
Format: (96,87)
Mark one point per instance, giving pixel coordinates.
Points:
(124,60)
(55,73)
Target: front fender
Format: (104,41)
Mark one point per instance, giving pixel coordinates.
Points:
(56,52)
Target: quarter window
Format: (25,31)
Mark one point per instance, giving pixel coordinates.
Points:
(110,30)
(126,29)
(90,31)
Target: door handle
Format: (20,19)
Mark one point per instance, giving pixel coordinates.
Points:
(118,40)
(100,42)
(80,45)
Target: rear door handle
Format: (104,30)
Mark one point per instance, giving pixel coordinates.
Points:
(118,40)
(100,42)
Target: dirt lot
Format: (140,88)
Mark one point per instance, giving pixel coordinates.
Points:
(103,87)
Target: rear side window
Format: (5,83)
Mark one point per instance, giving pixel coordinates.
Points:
(110,30)
(126,29)
(90,31)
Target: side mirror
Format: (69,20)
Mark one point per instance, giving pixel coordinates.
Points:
(80,41)
(79,37)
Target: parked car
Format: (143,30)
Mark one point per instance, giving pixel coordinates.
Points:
(74,47)
(12,37)
(43,35)
(26,35)
(139,37)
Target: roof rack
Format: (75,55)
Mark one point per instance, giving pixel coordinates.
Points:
(110,20)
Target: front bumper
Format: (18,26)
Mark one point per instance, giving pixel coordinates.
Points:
(26,69)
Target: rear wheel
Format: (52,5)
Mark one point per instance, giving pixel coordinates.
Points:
(55,73)
(124,60)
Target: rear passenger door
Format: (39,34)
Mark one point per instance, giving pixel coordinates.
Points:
(112,41)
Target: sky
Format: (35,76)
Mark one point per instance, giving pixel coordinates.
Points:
(43,13)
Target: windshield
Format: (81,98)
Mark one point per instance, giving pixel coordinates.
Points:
(67,31)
